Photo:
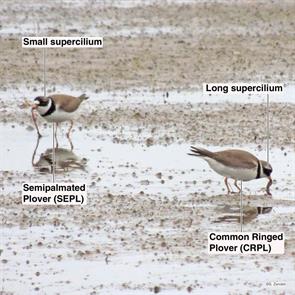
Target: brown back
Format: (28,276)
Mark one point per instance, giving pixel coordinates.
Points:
(67,103)
(236,158)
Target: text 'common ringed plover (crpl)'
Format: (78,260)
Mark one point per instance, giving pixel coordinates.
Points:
(57,108)
(235,164)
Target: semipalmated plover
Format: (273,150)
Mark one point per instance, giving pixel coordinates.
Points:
(235,164)
(57,108)
(65,160)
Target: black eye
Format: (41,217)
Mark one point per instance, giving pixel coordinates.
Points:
(42,102)
(267,171)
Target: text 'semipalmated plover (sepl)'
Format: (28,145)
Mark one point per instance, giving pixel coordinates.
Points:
(235,164)
(57,108)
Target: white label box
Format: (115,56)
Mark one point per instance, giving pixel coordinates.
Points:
(62,42)
(241,88)
(54,193)
(246,243)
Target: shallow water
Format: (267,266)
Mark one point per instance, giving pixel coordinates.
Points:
(72,256)
(142,95)
(60,267)
(126,168)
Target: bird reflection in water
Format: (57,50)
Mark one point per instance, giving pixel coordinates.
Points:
(65,160)
(232,214)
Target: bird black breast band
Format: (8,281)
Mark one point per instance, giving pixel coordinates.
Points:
(258,169)
(51,109)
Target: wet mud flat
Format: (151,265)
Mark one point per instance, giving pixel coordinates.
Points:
(163,119)
(150,206)
(162,45)
(136,243)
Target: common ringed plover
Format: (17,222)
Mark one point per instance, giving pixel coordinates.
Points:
(235,164)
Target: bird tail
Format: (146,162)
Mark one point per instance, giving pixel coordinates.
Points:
(83,96)
(199,152)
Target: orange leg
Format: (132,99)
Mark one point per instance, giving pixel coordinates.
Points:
(236,185)
(55,135)
(35,122)
(35,151)
(227,186)
(71,126)
(71,143)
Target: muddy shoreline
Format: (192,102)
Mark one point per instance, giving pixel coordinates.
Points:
(174,46)
(205,124)
(150,205)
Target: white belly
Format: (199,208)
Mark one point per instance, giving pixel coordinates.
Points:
(235,173)
(59,116)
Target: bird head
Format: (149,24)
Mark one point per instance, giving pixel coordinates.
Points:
(266,169)
(40,101)
(42,104)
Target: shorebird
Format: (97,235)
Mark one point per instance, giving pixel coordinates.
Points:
(235,164)
(65,160)
(57,108)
